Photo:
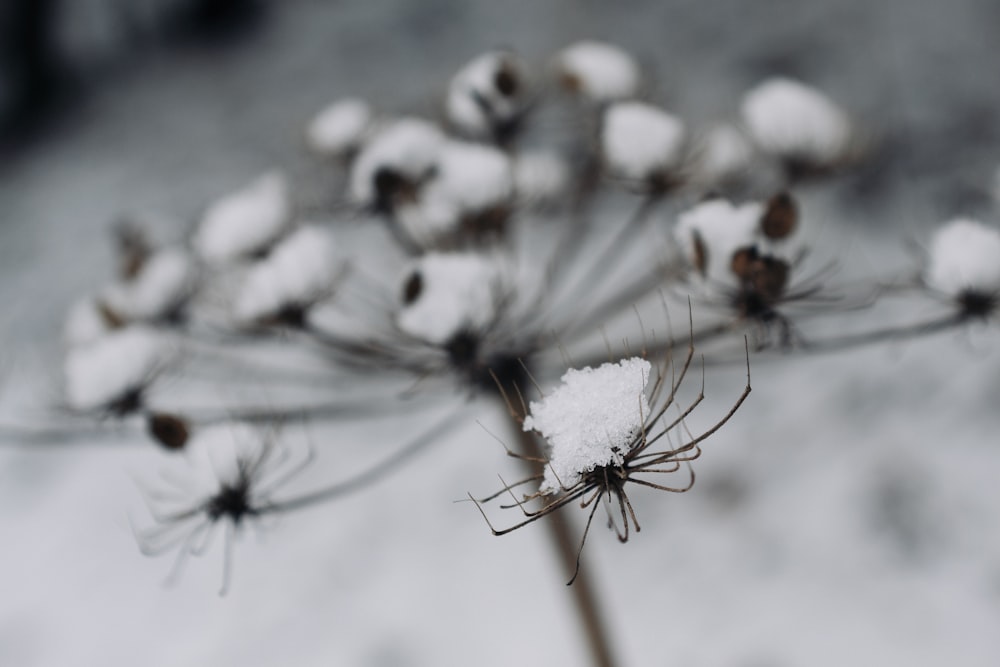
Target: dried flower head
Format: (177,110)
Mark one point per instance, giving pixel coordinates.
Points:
(964,264)
(487,98)
(157,291)
(600,72)
(339,129)
(607,428)
(643,143)
(244,223)
(797,124)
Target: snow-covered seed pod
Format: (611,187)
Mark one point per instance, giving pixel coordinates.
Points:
(643,143)
(245,222)
(712,231)
(600,72)
(541,177)
(590,420)
(447,294)
(339,129)
(280,288)
(469,196)
(157,292)
(797,124)
(486,98)
(394,162)
(963,263)
(721,155)
(110,374)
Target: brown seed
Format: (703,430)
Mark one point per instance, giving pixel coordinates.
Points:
(744,261)
(506,80)
(780,218)
(413,287)
(169,430)
(770,277)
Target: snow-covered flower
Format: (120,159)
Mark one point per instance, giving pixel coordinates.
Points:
(158,291)
(796,123)
(710,232)
(642,142)
(964,264)
(448,294)
(393,163)
(541,176)
(599,71)
(590,420)
(245,222)
(486,98)
(468,195)
(111,374)
(300,270)
(339,129)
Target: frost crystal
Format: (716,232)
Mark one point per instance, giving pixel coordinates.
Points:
(107,369)
(408,147)
(297,272)
(485,94)
(446,294)
(640,140)
(964,257)
(796,122)
(600,71)
(339,128)
(244,222)
(591,420)
(162,285)
(712,231)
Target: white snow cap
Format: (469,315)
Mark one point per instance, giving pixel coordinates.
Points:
(85,323)
(600,71)
(540,176)
(165,281)
(409,146)
(591,420)
(964,257)
(487,92)
(339,128)
(640,140)
(722,229)
(723,152)
(103,371)
(469,178)
(299,270)
(246,221)
(792,120)
(452,292)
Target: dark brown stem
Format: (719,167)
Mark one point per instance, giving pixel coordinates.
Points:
(566,544)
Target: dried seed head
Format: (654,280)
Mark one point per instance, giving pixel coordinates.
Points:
(169,430)
(780,218)
(507,80)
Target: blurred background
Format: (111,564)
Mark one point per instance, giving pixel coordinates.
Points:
(849,515)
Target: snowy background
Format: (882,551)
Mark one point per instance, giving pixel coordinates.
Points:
(849,514)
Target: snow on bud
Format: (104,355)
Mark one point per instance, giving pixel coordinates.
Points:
(245,222)
(712,231)
(598,71)
(641,141)
(590,420)
(964,263)
(796,123)
(444,294)
(394,161)
(159,289)
(300,270)
(340,128)
(109,373)
(486,97)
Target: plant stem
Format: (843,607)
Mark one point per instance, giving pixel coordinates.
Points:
(566,545)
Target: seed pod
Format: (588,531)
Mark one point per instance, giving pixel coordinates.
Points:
(780,218)
(413,287)
(770,277)
(170,431)
(744,262)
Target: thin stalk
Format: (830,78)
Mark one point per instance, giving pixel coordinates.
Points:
(566,544)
